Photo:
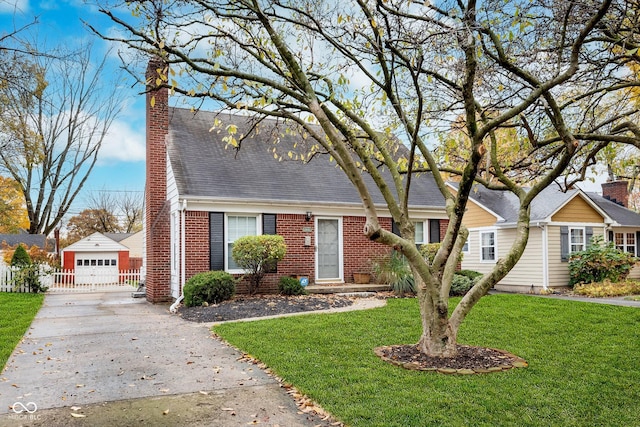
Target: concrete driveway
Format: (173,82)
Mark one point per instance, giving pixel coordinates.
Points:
(123,361)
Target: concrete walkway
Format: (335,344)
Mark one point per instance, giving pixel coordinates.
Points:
(621,301)
(152,368)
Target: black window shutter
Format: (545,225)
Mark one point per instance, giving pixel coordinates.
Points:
(269,227)
(637,243)
(269,224)
(216,243)
(394,228)
(564,243)
(434,231)
(611,236)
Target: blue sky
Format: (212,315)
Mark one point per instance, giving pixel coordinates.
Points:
(121,165)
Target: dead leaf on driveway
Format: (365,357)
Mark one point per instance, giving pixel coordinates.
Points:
(76,415)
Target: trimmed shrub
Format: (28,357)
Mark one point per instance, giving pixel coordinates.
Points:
(211,287)
(257,255)
(291,286)
(460,285)
(20,257)
(473,275)
(600,262)
(429,250)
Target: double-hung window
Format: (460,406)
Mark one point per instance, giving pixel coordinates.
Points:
(577,240)
(239,226)
(488,246)
(420,233)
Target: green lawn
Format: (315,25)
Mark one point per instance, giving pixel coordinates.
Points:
(584,364)
(16,313)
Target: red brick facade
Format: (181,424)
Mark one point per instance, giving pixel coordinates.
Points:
(158,245)
(358,251)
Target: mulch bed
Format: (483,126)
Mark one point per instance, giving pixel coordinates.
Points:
(469,360)
(244,307)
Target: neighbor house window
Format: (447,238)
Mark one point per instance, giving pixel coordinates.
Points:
(577,241)
(626,242)
(419,235)
(465,247)
(488,246)
(239,226)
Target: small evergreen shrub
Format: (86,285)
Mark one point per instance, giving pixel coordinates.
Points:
(20,257)
(211,287)
(291,286)
(473,275)
(600,262)
(460,285)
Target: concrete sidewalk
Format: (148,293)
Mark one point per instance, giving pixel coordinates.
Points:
(83,350)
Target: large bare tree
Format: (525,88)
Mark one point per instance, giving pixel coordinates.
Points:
(54,115)
(553,73)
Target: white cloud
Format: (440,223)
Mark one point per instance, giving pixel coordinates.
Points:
(123,143)
(14,6)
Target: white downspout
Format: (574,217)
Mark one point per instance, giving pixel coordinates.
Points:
(174,306)
(545,258)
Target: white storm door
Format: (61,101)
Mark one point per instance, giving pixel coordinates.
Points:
(329,249)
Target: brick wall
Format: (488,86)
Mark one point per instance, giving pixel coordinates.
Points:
(616,191)
(197,242)
(359,251)
(158,244)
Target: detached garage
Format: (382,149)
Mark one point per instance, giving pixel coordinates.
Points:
(96,259)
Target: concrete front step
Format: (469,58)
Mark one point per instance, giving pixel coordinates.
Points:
(339,288)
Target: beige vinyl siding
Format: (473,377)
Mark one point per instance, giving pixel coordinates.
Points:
(471,259)
(558,270)
(529,269)
(577,210)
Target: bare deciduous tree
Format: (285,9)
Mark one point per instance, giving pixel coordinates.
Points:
(53,120)
(554,73)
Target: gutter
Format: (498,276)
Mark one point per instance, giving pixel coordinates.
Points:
(183,209)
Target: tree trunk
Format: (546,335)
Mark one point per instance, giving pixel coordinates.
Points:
(439,338)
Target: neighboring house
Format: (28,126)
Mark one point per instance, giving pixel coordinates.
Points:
(202,195)
(133,241)
(26,239)
(561,223)
(97,258)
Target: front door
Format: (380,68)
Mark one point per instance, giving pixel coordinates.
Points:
(329,249)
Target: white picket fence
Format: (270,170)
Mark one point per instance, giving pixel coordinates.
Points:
(57,280)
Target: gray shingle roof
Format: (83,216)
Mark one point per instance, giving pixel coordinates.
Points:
(506,204)
(118,237)
(546,203)
(29,240)
(203,167)
(623,216)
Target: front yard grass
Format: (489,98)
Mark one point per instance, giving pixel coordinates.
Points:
(584,364)
(16,313)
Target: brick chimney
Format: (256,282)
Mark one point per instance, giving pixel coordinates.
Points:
(157,221)
(617,192)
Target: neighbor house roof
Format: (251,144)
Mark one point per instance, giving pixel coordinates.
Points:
(550,200)
(622,216)
(29,240)
(204,167)
(118,237)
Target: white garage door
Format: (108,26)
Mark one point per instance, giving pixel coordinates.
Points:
(96,268)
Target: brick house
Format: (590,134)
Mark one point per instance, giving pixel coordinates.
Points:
(202,194)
